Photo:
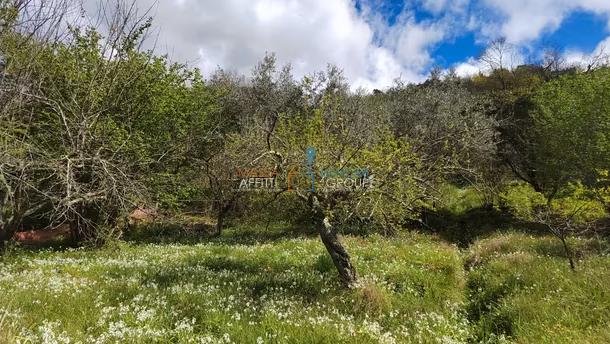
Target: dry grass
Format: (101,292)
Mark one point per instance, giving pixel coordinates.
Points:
(371,298)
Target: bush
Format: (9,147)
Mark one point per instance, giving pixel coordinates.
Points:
(579,201)
(371,298)
(521,200)
(575,200)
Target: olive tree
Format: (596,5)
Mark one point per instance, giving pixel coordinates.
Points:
(247,107)
(25,27)
(449,128)
(571,122)
(343,164)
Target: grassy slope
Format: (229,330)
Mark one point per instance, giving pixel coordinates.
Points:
(278,292)
(414,289)
(521,286)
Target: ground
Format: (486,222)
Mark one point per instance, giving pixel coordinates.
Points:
(414,288)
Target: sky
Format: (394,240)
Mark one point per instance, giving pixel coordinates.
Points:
(373,41)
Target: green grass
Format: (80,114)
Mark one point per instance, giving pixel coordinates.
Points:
(521,287)
(458,201)
(251,287)
(286,291)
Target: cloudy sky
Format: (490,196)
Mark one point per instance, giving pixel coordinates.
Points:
(374,41)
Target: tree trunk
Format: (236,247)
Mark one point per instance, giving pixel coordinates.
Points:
(338,253)
(568,252)
(83,227)
(219,222)
(8,229)
(5,236)
(223,210)
(76,231)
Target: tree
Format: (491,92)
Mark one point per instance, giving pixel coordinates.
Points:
(561,134)
(86,136)
(448,126)
(343,174)
(391,149)
(562,226)
(25,28)
(246,107)
(500,58)
(342,143)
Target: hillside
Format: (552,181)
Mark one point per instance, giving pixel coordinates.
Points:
(413,289)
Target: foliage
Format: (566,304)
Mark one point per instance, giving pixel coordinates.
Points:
(521,199)
(458,200)
(572,124)
(91,125)
(574,199)
(555,132)
(579,200)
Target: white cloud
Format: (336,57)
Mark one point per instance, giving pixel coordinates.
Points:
(600,55)
(412,41)
(525,20)
(438,6)
(468,68)
(309,34)
(522,21)
(435,6)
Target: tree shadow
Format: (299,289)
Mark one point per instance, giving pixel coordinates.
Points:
(175,233)
(463,229)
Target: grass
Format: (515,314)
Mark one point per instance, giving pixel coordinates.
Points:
(217,292)
(253,286)
(520,287)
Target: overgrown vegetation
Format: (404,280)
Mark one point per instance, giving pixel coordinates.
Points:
(193,202)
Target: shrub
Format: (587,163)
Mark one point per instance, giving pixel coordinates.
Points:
(459,200)
(521,200)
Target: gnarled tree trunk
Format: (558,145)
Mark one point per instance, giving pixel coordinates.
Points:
(220,219)
(330,239)
(222,210)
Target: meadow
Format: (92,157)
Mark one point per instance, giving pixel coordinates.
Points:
(242,288)
(280,202)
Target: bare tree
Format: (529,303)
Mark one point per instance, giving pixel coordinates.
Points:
(74,102)
(561,226)
(599,58)
(25,26)
(500,57)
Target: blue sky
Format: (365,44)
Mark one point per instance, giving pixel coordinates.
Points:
(579,29)
(374,41)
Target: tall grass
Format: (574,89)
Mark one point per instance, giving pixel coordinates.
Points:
(220,292)
(520,287)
